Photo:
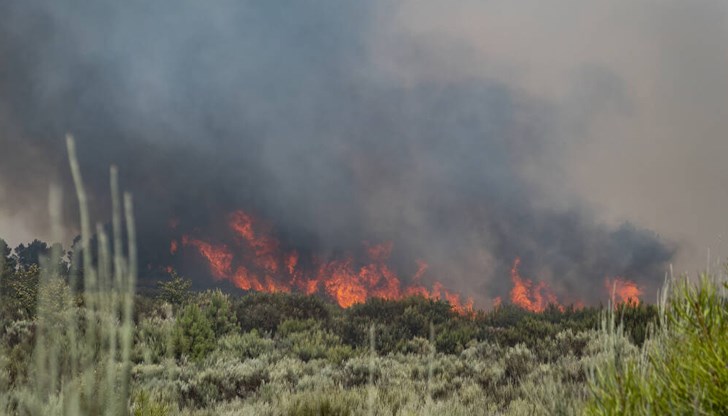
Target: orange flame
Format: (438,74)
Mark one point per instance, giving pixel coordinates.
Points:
(263,267)
(219,257)
(528,296)
(623,291)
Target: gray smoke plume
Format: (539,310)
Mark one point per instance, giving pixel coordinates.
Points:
(287,110)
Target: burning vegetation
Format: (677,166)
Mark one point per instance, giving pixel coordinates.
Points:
(258,263)
(255,260)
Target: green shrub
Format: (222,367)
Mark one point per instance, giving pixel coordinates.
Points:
(219,311)
(681,369)
(144,405)
(192,335)
(175,291)
(307,341)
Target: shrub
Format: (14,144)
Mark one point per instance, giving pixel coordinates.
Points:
(192,335)
(245,346)
(144,405)
(219,311)
(322,404)
(307,341)
(681,370)
(225,380)
(154,337)
(175,291)
(519,361)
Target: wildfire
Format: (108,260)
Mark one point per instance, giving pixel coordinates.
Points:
(623,291)
(219,258)
(257,262)
(532,297)
(262,266)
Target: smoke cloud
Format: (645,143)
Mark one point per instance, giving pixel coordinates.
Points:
(468,135)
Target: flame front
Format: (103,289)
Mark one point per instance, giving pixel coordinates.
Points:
(263,267)
(218,257)
(257,263)
(623,291)
(528,296)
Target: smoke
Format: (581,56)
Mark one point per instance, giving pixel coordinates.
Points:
(336,122)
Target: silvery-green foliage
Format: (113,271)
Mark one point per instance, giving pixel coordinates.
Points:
(358,371)
(306,340)
(286,372)
(225,381)
(519,361)
(417,345)
(244,346)
(153,338)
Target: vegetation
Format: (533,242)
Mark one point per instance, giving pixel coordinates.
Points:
(75,339)
(683,366)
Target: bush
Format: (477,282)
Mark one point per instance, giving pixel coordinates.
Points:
(225,380)
(144,405)
(681,370)
(307,341)
(519,361)
(245,346)
(176,291)
(192,335)
(154,337)
(219,311)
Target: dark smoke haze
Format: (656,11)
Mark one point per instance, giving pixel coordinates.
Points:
(336,122)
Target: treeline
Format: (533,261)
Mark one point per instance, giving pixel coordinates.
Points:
(397,321)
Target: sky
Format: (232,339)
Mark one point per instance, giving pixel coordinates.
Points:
(588,138)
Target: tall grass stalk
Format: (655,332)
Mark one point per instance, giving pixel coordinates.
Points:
(82,349)
(371,388)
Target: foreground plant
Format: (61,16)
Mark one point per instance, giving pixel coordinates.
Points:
(81,359)
(681,369)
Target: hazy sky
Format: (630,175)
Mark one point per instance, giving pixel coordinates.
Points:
(582,135)
(641,90)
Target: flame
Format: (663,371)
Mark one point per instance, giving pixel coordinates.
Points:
(623,291)
(263,267)
(528,296)
(219,257)
(173,247)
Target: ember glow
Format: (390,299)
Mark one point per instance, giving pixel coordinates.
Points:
(623,291)
(530,296)
(256,262)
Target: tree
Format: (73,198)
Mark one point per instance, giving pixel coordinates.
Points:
(219,311)
(22,293)
(7,260)
(193,335)
(7,269)
(175,291)
(39,253)
(31,254)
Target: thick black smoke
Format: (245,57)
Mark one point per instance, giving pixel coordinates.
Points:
(279,108)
